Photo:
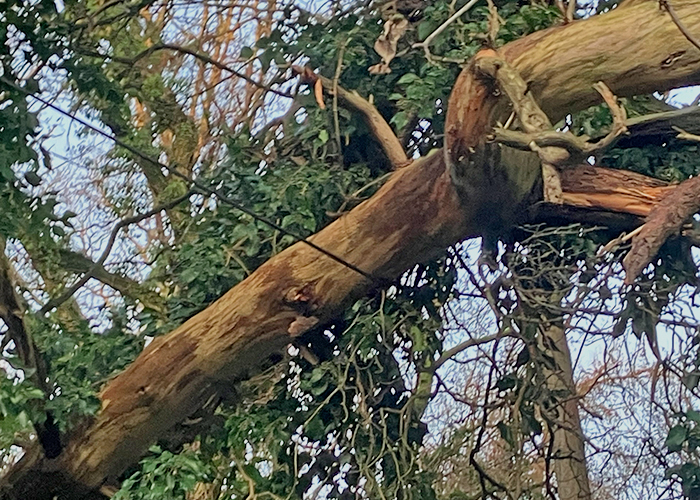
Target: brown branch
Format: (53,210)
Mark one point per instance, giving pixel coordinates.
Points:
(666,219)
(555,149)
(614,190)
(57,301)
(375,121)
(577,148)
(12,314)
(532,119)
(570,11)
(619,116)
(665,4)
(413,217)
(686,136)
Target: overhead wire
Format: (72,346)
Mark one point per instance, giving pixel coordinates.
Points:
(193,182)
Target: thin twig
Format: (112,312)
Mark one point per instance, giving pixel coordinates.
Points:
(619,115)
(664,4)
(336,77)
(425,44)
(453,351)
(198,55)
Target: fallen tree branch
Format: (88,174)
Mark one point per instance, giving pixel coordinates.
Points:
(615,190)
(413,217)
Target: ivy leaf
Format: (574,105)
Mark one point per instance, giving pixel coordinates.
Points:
(676,438)
(32,178)
(323,136)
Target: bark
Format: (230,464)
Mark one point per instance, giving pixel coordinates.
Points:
(12,309)
(568,450)
(667,218)
(414,217)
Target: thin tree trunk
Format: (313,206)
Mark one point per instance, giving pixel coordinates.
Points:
(569,456)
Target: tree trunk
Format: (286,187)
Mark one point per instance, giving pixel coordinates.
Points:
(568,450)
(414,217)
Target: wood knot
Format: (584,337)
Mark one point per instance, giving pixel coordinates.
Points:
(302,300)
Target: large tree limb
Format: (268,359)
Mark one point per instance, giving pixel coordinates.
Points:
(415,216)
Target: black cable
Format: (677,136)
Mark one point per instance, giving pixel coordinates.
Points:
(195,183)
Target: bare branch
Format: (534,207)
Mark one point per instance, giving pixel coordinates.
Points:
(665,4)
(56,302)
(666,219)
(197,55)
(376,122)
(686,136)
(425,44)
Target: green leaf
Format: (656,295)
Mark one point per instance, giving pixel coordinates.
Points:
(425,28)
(407,79)
(676,438)
(693,416)
(32,178)
(323,136)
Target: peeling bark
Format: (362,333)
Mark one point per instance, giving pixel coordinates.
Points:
(414,217)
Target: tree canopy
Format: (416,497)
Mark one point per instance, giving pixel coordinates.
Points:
(387,250)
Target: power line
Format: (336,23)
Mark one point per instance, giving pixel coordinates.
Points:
(201,187)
